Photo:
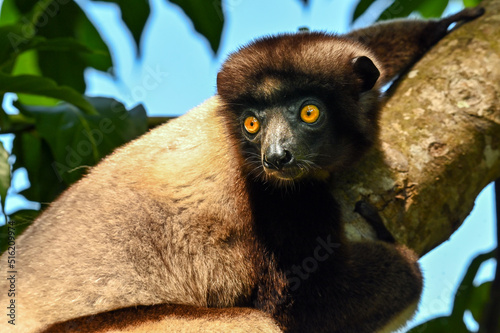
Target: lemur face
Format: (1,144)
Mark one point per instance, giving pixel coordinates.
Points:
(299,116)
(290,141)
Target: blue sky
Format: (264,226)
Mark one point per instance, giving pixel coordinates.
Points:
(184,71)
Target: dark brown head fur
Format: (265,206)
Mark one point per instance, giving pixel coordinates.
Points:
(273,71)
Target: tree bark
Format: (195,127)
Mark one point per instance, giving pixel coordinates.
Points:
(440,140)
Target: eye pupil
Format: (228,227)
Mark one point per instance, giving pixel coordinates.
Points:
(251,125)
(309,113)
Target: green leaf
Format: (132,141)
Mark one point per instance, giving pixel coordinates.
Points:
(63,44)
(440,325)
(41,86)
(135,14)
(11,39)
(432,8)
(361,8)
(23,218)
(401,8)
(81,140)
(20,221)
(100,59)
(12,123)
(25,6)
(5,123)
(56,20)
(4,237)
(471,3)
(207,18)
(9,14)
(66,68)
(27,63)
(480,296)
(466,288)
(14,42)
(467,297)
(5,175)
(33,154)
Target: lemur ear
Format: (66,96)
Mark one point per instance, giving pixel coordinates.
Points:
(366,70)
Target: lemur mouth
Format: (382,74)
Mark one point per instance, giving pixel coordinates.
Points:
(289,174)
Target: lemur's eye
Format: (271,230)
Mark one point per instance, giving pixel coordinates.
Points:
(252,125)
(309,113)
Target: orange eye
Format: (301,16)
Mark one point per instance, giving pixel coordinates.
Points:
(252,125)
(309,113)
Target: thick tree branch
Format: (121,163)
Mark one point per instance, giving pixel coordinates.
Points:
(440,140)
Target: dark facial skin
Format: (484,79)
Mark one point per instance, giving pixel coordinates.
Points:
(291,148)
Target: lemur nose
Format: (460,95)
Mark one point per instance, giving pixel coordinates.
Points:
(277,158)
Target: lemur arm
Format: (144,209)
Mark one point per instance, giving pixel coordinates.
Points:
(171,318)
(399,44)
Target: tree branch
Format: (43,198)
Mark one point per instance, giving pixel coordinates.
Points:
(440,140)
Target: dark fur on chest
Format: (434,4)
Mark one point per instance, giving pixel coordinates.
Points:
(300,231)
(288,221)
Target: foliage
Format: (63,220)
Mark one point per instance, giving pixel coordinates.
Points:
(403,8)
(468,297)
(45,46)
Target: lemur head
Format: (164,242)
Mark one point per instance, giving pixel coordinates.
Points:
(304,105)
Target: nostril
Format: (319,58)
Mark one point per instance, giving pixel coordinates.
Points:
(277,159)
(287,157)
(266,163)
